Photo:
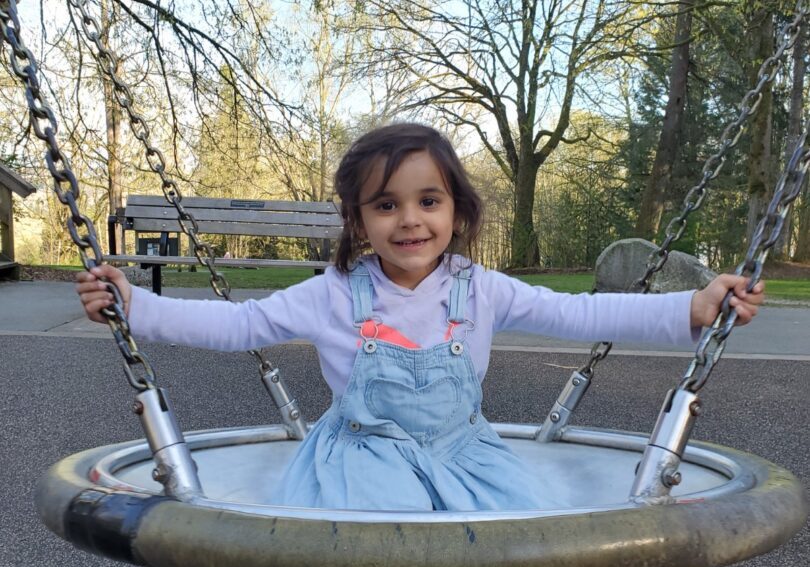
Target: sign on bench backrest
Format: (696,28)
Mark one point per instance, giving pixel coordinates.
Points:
(242,204)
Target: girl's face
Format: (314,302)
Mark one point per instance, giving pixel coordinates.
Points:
(410,224)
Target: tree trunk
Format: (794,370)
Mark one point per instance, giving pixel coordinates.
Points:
(524,240)
(759,156)
(802,253)
(657,189)
(795,120)
(112,113)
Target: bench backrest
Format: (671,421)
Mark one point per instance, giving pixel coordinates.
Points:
(152,213)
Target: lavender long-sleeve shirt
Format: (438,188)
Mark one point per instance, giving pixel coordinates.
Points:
(320,310)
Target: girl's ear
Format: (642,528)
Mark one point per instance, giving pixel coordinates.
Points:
(457,224)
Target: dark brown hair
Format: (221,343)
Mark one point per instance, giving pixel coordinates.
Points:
(394,143)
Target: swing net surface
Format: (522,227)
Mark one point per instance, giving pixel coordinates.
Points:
(616,498)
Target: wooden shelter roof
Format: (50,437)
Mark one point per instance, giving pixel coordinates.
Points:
(12,181)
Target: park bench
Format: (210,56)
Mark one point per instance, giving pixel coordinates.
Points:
(143,214)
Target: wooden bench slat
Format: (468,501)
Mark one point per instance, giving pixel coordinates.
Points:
(249,229)
(220,262)
(153,214)
(233,215)
(237,204)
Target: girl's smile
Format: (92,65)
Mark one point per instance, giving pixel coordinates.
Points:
(409,224)
(411,243)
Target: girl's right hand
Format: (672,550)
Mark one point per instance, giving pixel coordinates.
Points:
(94,294)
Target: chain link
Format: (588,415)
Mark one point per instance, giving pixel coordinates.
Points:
(157,163)
(788,188)
(711,169)
(599,351)
(139,371)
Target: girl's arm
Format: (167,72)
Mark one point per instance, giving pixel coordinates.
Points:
(218,325)
(670,318)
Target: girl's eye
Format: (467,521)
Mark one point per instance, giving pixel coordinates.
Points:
(429,202)
(386,206)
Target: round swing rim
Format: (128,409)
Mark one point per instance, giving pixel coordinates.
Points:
(706,455)
(763,510)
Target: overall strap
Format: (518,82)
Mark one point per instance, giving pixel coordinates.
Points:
(360,282)
(458,296)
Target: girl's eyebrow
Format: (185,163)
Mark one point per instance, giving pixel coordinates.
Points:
(434,190)
(386,193)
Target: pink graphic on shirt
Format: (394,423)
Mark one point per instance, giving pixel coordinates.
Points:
(386,334)
(449,334)
(390,335)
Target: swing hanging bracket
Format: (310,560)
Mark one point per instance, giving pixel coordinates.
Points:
(290,412)
(174,467)
(564,407)
(657,472)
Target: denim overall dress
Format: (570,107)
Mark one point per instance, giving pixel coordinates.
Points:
(407,434)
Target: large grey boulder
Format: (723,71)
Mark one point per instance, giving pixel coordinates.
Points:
(623,263)
(137,276)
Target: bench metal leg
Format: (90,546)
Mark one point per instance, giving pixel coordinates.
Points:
(112,220)
(163,250)
(156,279)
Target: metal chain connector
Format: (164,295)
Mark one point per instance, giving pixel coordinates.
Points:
(599,351)
(137,368)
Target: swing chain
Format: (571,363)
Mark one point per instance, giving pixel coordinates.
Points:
(599,351)
(157,163)
(768,229)
(137,368)
(714,164)
(662,456)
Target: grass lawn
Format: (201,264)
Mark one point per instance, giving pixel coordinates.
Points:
(788,289)
(239,278)
(280,278)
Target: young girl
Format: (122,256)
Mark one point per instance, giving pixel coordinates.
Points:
(404,335)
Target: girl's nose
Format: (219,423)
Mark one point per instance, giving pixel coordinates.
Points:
(409,216)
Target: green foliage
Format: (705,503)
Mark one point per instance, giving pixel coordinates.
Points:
(717,84)
(582,206)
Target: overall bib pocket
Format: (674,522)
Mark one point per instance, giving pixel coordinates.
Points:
(421,412)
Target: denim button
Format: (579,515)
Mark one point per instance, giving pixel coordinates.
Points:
(474,417)
(354,426)
(456,348)
(370,346)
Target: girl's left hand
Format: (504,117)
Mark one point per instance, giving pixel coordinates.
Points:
(707,302)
